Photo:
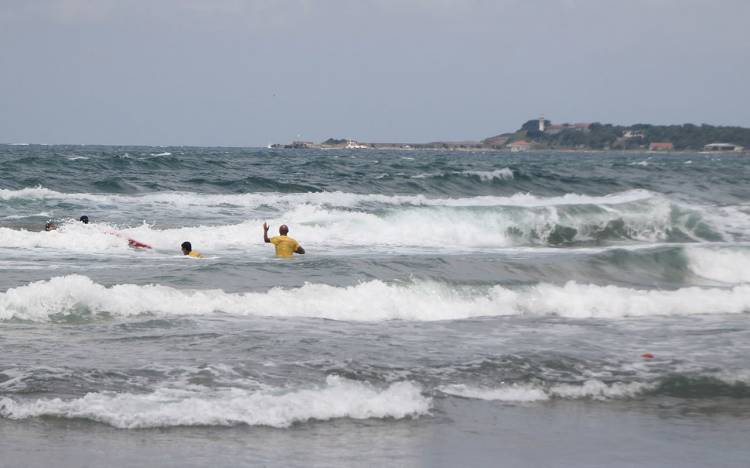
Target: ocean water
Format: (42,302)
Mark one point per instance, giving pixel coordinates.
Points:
(453,308)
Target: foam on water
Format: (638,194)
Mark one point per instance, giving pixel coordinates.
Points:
(332,199)
(369,301)
(511,393)
(505,173)
(591,301)
(169,407)
(43,214)
(598,390)
(433,227)
(734,219)
(590,389)
(74,237)
(486,176)
(725,265)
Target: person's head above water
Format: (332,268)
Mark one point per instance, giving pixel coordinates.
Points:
(50,226)
(285,246)
(84,219)
(186,248)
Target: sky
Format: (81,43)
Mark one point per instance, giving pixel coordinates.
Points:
(254,72)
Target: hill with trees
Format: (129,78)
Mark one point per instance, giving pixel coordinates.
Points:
(608,136)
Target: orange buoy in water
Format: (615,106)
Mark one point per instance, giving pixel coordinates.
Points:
(647,356)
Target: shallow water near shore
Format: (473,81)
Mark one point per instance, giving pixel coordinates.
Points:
(474,309)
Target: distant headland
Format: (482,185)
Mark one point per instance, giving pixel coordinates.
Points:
(542,134)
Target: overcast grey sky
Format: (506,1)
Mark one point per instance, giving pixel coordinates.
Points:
(252,72)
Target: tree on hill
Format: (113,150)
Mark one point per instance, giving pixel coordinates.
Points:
(602,136)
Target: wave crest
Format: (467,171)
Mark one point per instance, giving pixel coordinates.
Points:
(524,393)
(78,296)
(724,265)
(339,398)
(372,221)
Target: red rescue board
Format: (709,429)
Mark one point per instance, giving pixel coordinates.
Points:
(138,245)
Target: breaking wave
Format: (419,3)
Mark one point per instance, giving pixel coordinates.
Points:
(328,199)
(486,176)
(78,296)
(371,221)
(522,393)
(483,176)
(725,265)
(169,407)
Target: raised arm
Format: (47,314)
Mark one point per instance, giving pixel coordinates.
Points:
(265,233)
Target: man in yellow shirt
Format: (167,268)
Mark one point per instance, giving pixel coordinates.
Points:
(285,246)
(187,249)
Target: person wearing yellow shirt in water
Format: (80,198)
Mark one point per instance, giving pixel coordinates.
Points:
(187,249)
(285,246)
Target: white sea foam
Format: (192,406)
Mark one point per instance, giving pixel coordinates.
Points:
(409,220)
(168,407)
(412,221)
(165,153)
(486,176)
(598,390)
(327,199)
(725,265)
(41,193)
(585,300)
(74,237)
(348,219)
(591,389)
(734,219)
(650,220)
(369,301)
(43,214)
(511,393)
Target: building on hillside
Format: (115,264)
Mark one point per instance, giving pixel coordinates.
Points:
(541,124)
(520,145)
(661,146)
(722,147)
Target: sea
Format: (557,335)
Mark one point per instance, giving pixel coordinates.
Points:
(453,308)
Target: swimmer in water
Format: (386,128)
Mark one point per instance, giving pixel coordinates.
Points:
(285,245)
(187,249)
(50,226)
